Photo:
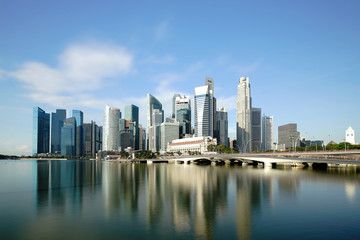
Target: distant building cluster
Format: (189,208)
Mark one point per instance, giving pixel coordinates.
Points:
(58,135)
(55,134)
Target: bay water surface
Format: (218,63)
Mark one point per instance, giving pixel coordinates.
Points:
(79,199)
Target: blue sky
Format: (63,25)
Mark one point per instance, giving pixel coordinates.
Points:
(302,58)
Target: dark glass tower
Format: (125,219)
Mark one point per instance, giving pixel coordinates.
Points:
(68,137)
(132,114)
(79,142)
(41,131)
(57,121)
(93,138)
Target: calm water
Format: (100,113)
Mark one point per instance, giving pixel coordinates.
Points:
(109,200)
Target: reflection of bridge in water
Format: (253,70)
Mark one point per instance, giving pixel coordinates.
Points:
(321,159)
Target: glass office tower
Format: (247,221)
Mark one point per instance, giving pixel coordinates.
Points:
(79,116)
(152,103)
(57,121)
(202,111)
(183,114)
(68,137)
(41,131)
(132,114)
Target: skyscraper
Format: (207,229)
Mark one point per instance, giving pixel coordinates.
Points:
(256,129)
(183,114)
(152,103)
(267,132)
(93,138)
(79,141)
(41,131)
(289,135)
(57,121)
(243,115)
(204,109)
(132,114)
(155,130)
(222,127)
(111,134)
(68,137)
(173,104)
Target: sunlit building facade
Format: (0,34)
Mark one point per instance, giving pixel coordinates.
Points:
(243,115)
(111,134)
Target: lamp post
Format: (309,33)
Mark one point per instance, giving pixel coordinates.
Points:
(238,148)
(246,145)
(294,142)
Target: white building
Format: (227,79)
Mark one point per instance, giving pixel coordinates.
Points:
(111,134)
(205,109)
(350,135)
(243,115)
(196,144)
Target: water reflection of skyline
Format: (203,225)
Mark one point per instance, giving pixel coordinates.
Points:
(192,200)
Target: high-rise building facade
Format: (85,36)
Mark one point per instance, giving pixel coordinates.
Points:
(173,105)
(111,134)
(68,137)
(256,129)
(152,104)
(93,138)
(350,135)
(132,114)
(221,133)
(183,114)
(57,121)
(267,132)
(142,138)
(79,116)
(205,109)
(155,130)
(243,115)
(41,131)
(288,135)
(169,132)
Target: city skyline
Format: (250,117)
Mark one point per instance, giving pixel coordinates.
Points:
(303,63)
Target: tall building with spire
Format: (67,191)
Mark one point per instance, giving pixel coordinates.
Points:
(243,115)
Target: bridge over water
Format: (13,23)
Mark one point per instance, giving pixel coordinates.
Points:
(269,159)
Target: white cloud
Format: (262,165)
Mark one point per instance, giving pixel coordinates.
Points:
(161,30)
(81,67)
